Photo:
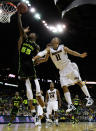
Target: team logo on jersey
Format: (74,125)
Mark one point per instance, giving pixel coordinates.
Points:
(51,94)
(56,52)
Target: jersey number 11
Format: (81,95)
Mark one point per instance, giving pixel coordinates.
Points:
(58,57)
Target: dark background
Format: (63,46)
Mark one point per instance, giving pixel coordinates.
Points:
(80,36)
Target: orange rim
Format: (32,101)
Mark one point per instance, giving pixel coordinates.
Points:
(11,4)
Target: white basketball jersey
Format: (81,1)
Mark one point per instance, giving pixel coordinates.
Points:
(52,95)
(59,57)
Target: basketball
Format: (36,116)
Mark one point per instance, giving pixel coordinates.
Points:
(22,8)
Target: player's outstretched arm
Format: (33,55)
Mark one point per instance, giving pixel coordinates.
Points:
(26,30)
(19,43)
(20,25)
(74,53)
(42,54)
(41,60)
(22,33)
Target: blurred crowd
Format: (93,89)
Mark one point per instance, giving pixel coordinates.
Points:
(82,113)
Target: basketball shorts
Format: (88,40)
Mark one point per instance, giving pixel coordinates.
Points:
(69,75)
(52,106)
(14,111)
(26,68)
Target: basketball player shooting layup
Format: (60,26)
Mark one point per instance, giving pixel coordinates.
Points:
(27,50)
(69,74)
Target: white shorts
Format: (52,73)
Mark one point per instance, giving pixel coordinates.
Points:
(39,111)
(69,75)
(52,106)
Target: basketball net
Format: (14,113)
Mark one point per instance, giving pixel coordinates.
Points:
(7,9)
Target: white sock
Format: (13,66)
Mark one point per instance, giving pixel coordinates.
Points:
(37,86)
(28,89)
(39,120)
(68,98)
(85,90)
(56,120)
(47,115)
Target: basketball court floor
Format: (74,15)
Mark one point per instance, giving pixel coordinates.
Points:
(66,126)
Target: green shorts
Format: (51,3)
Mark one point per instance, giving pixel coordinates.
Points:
(14,111)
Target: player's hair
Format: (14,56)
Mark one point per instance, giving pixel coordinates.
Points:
(49,45)
(56,38)
(51,82)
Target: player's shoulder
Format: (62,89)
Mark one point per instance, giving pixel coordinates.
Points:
(48,48)
(56,90)
(48,91)
(20,97)
(61,45)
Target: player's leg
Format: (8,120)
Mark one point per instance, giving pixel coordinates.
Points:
(38,94)
(86,92)
(11,120)
(68,99)
(65,80)
(49,113)
(55,109)
(25,72)
(30,72)
(12,116)
(30,95)
(76,77)
(81,84)
(39,115)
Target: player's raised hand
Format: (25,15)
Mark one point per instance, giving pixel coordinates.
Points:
(27,29)
(83,55)
(38,61)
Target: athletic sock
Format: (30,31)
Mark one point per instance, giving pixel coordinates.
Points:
(28,89)
(85,90)
(68,98)
(37,86)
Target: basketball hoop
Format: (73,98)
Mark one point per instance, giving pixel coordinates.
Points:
(7,9)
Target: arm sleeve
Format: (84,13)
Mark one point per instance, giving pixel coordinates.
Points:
(42,53)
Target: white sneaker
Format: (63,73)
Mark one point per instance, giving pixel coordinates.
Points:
(48,122)
(38,123)
(89,101)
(70,108)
